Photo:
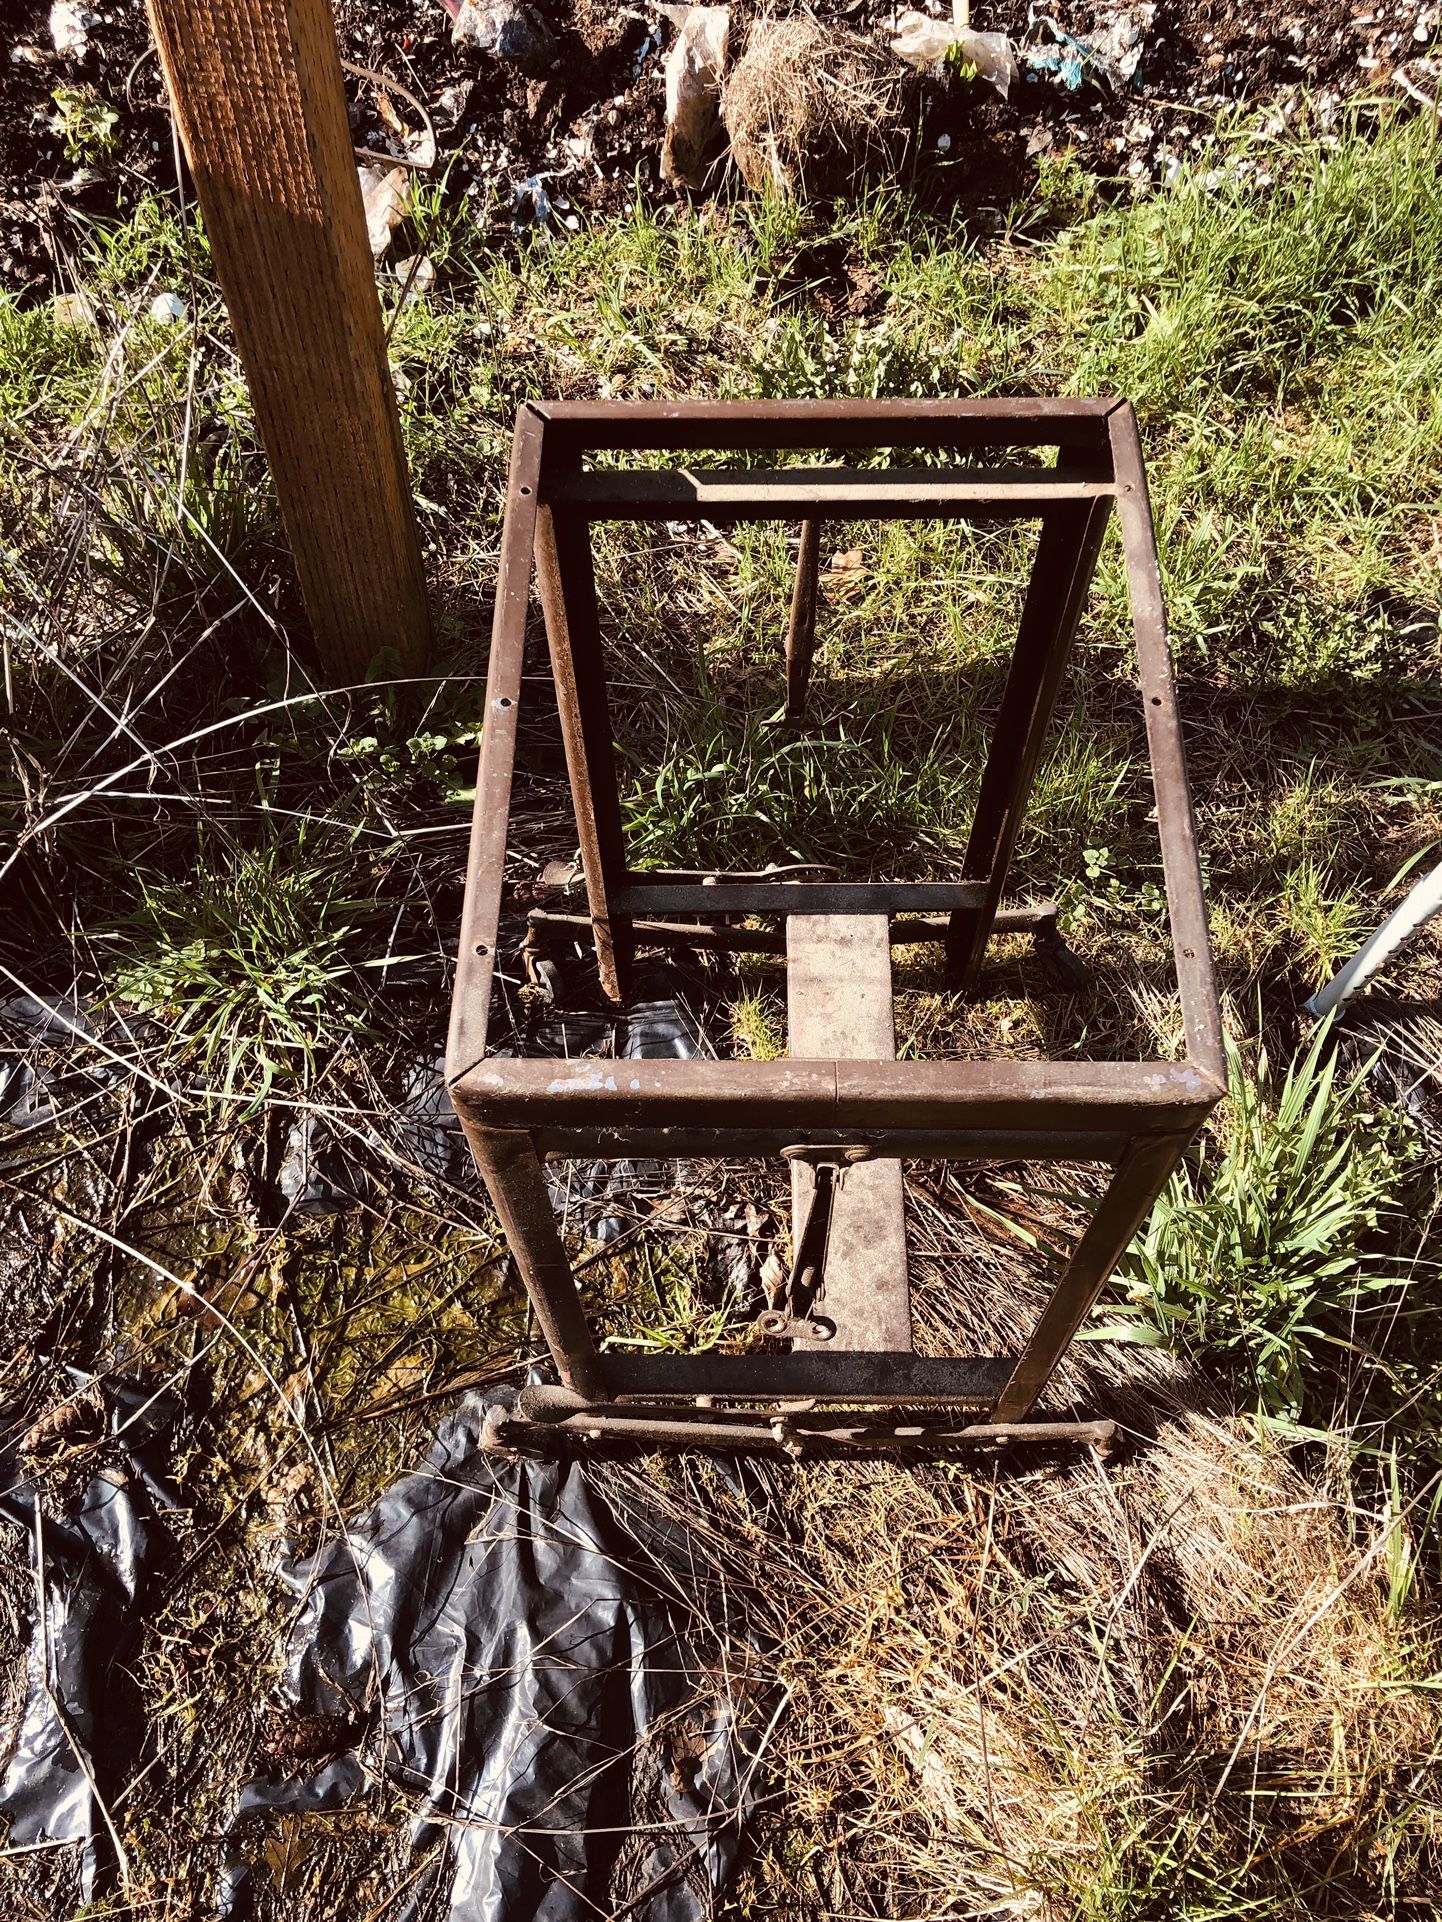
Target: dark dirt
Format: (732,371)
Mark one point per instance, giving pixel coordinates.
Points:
(591,129)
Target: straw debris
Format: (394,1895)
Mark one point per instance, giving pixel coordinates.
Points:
(812,109)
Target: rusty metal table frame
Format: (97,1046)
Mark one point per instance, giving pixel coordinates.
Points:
(1137,1116)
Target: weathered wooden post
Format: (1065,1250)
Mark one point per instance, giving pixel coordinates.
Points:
(256,90)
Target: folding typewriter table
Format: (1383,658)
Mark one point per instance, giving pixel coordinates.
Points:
(840,1107)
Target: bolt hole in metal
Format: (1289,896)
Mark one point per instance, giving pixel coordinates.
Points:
(525,493)
(481,948)
(505,701)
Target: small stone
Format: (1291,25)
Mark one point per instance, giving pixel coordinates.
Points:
(507,31)
(166,309)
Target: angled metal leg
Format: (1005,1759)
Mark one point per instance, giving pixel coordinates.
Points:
(1061,574)
(517,1186)
(566,583)
(801,631)
(1140,1177)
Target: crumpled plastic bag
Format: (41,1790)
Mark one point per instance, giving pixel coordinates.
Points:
(694,70)
(924,42)
(386,197)
(1112,54)
(522,1661)
(49,1031)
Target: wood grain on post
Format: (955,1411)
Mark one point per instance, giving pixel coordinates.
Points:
(256,90)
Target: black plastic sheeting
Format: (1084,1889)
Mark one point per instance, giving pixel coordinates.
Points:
(47,1044)
(666,1021)
(94,1569)
(523,1663)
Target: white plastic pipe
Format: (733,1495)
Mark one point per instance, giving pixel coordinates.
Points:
(1421,904)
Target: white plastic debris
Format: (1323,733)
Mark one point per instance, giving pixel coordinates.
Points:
(923,42)
(70,29)
(1422,905)
(386,193)
(1119,45)
(1421,80)
(418,272)
(167,309)
(417,275)
(694,68)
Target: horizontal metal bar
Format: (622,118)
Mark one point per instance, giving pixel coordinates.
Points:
(1093,1097)
(832,493)
(799,1436)
(1020,421)
(1026,918)
(637,894)
(683,1144)
(674,934)
(899,1379)
(1144,1098)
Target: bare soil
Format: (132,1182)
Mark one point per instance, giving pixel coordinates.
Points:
(592,128)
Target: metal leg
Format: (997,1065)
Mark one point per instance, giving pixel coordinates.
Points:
(1140,1177)
(566,582)
(1061,574)
(801,631)
(517,1186)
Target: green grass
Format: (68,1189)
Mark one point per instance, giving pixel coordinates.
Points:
(257,966)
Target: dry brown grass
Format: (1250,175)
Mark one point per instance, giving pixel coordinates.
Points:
(1063,1689)
(1191,1681)
(811,109)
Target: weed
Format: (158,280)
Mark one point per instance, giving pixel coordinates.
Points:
(1260,1255)
(86,123)
(758,1026)
(164,538)
(251,964)
(1326,925)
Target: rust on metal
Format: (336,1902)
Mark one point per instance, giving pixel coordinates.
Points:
(839,1104)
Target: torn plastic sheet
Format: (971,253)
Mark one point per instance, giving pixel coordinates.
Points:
(534,205)
(663,1027)
(1113,52)
(316,1177)
(925,42)
(94,1567)
(608,1199)
(42,1034)
(521,1659)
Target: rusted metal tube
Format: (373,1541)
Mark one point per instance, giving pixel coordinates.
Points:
(517,1186)
(1142,1175)
(795,1433)
(801,631)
